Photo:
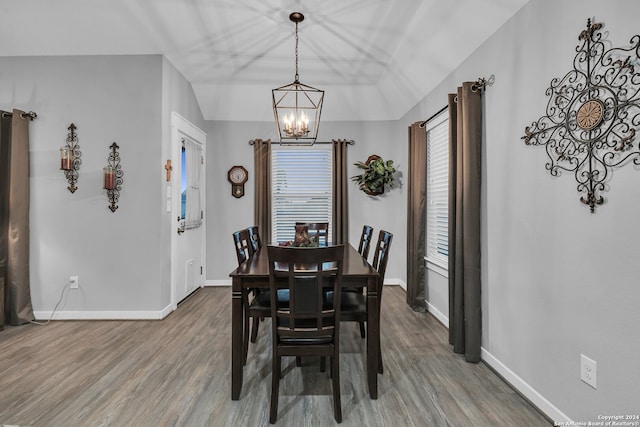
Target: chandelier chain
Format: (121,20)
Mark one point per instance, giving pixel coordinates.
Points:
(297,76)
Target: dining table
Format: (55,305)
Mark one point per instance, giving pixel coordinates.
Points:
(254,273)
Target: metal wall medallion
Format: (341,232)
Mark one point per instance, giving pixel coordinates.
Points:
(592,114)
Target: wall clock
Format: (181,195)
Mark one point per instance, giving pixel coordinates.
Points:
(237,176)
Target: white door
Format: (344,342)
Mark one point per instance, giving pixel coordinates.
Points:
(188,236)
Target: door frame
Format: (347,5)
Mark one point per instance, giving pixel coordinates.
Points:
(182,128)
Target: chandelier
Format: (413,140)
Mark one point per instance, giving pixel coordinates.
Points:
(297,106)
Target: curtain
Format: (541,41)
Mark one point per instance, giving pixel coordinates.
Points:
(193,209)
(15,294)
(262,179)
(416,214)
(465,144)
(340,214)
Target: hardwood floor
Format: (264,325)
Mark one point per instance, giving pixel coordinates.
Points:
(176,372)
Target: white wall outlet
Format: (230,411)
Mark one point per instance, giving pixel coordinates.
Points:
(589,371)
(73,282)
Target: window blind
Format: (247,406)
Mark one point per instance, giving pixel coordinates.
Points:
(437,190)
(301,188)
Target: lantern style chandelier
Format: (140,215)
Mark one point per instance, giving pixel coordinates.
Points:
(296,106)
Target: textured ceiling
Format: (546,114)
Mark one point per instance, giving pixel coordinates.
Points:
(375,59)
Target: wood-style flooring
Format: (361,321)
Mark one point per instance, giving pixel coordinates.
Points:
(176,372)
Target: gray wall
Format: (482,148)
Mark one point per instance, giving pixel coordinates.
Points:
(557,280)
(120,257)
(227,145)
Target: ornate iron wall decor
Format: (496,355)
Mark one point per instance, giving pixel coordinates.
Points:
(113,177)
(592,114)
(70,158)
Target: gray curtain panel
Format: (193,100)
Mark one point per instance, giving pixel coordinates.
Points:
(340,214)
(416,211)
(15,294)
(465,144)
(262,180)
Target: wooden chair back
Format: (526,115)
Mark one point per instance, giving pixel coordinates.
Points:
(365,241)
(318,230)
(381,257)
(242,243)
(254,238)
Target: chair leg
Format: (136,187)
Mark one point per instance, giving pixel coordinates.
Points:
(362,333)
(335,371)
(298,361)
(323,363)
(254,329)
(380,368)
(275,383)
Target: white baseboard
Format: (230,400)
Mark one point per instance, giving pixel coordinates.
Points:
(395,282)
(438,315)
(509,376)
(223,282)
(525,389)
(104,315)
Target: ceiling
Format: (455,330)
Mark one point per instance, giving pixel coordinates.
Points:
(375,59)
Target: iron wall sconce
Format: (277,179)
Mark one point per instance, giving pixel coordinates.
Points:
(70,158)
(112,174)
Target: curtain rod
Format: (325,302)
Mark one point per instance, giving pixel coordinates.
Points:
(479,84)
(350,142)
(422,124)
(30,115)
(482,83)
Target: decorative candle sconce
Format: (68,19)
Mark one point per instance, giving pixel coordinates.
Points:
(593,115)
(112,174)
(70,158)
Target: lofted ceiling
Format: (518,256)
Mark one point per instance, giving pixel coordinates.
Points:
(375,59)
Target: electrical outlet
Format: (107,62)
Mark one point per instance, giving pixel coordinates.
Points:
(589,371)
(73,282)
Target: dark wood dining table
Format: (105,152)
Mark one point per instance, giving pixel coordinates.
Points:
(254,273)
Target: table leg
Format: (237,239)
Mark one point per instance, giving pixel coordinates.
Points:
(373,336)
(236,337)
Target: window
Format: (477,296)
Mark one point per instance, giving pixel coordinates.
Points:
(437,243)
(191,166)
(183,183)
(301,188)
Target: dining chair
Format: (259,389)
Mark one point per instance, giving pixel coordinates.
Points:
(256,301)
(243,249)
(307,326)
(260,306)
(363,249)
(353,307)
(319,230)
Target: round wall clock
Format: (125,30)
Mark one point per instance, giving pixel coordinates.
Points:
(237,176)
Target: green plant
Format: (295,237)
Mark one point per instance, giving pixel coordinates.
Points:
(377,174)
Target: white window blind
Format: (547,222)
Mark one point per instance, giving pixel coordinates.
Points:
(437,190)
(301,188)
